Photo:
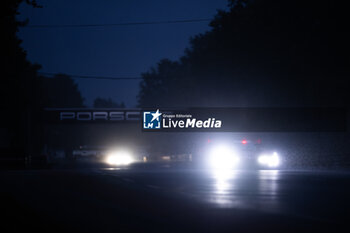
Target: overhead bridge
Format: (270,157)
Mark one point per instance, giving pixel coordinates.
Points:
(92,115)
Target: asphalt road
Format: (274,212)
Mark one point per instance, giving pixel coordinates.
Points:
(173,198)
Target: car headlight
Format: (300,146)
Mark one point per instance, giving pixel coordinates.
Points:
(223,157)
(269,160)
(119,158)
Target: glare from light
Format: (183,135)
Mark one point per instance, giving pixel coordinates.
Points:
(119,158)
(223,180)
(269,160)
(223,174)
(222,186)
(268,175)
(223,157)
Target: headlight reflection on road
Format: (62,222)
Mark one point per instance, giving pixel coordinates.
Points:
(246,189)
(222,186)
(268,187)
(223,180)
(222,160)
(268,175)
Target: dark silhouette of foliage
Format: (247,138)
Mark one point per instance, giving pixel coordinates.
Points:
(107,103)
(259,53)
(19,96)
(61,91)
(23,92)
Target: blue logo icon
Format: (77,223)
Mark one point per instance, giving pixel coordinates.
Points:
(151,120)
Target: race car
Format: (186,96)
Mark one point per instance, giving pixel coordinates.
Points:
(238,154)
(123,156)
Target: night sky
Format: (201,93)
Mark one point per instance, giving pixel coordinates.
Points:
(124,51)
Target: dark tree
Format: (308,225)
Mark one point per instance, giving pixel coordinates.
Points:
(61,91)
(19,95)
(107,103)
(260,53)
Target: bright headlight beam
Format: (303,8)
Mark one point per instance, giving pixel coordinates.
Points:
(269,160)
(119,158)
(223,157)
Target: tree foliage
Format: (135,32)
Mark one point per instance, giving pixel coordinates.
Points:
(107,103)
(23,93)
(61,91)
(19,82)
(259,53)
